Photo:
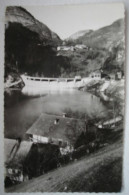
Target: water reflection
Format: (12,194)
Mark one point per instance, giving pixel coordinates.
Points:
(29,91)
(22,110)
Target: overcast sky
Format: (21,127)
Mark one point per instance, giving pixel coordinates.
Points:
(66,20)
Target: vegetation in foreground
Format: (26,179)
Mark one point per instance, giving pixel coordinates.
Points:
(104,178)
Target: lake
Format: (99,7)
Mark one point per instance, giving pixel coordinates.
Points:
(23,108)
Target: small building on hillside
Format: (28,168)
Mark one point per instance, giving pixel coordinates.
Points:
(119,75)
(120,55)
(65,48)
(96,75)
(116,76)
(56,130)
(112,76)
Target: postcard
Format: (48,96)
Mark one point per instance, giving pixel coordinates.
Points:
(64,98)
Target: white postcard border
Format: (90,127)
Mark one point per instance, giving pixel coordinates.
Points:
(5,3)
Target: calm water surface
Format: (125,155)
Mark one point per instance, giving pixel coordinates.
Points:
(21,110)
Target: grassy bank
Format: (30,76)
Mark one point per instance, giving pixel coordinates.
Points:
(98,179)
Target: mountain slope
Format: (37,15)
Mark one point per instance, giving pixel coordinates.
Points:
(106,49)
(79,34)
(30,46)
(22,16)
(104,37)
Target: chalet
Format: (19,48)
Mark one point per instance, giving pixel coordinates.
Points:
(54,129)
(96,75)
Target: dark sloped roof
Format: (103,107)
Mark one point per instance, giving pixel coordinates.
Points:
(8,145)
(64,129)
(16,155)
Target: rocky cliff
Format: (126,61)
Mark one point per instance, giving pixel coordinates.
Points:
(104,37)
(23,17)
(30,46)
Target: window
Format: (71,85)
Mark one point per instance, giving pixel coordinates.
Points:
(69,80)
(44,80)
(52,80)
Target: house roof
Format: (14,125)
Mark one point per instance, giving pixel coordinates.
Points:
(8,145)
(65,129)
(14,153)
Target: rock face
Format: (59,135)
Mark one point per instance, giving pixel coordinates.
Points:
(104,37)
(106,49)
(22,16)
(79,34)
(30,46)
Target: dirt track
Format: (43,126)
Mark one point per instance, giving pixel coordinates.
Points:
(59,179)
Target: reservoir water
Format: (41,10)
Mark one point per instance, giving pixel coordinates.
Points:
(22,108)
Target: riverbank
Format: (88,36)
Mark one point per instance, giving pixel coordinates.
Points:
(113,93)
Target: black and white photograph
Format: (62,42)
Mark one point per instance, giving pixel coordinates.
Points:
(64,98)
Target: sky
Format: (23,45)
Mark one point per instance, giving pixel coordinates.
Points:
(69,19)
